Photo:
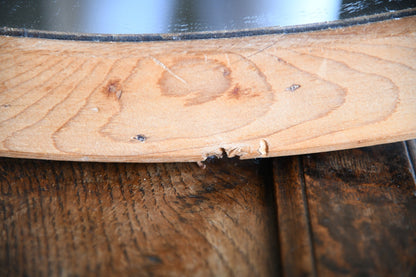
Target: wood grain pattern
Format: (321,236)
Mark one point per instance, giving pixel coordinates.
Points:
(187,100)
(87,219)
(347,213)
(296,244)
(362,207)
(340,213)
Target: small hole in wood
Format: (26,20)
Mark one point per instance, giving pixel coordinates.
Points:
(293,87)
(141,138)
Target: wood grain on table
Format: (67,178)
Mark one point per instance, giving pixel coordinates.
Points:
(344,213)
(63,218)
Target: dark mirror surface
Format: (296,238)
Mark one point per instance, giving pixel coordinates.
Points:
(172,16)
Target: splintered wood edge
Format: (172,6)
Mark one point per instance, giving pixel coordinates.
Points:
(256,96)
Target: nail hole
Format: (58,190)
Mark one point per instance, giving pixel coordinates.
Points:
(293,87)
(141,138)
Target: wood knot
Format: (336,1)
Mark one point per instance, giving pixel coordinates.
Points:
(113,88)
(237,92)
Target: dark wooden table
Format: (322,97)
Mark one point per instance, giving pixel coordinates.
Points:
(330,214)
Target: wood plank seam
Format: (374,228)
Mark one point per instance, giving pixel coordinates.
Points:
(410,149)
(270,190)
(307,213)
(294,234)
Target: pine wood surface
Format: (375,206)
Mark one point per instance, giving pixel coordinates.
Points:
(188,100)
(343,213)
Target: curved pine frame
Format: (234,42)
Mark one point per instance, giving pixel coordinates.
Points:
(250,96)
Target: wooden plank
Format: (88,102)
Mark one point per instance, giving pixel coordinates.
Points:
(89,219)
(362,206)
(186,100)
(411,149)
(296,245)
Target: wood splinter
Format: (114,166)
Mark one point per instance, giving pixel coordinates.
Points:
(263,147)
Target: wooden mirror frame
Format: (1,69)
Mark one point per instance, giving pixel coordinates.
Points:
(261,93)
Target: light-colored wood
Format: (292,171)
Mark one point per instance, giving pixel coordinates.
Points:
(187,100)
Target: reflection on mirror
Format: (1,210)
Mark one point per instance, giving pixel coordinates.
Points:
(171,16)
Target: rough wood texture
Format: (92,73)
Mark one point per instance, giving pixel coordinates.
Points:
(186,100)
(361,205)
(340,213)
(296,246)
(87,219)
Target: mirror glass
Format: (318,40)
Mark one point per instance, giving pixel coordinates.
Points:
(176,16)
